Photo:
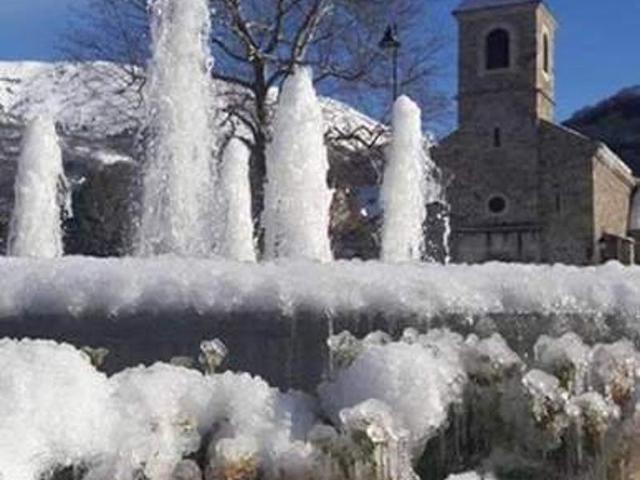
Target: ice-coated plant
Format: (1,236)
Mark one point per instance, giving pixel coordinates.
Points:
(96,356)
(212,354)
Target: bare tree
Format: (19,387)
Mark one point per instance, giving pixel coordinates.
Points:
(257,43)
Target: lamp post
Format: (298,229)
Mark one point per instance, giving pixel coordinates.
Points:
(390,42)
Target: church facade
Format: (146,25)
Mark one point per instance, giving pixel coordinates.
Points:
(524,188)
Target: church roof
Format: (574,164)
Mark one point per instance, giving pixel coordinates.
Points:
(481,4)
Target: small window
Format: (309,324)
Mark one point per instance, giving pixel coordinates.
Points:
(558,203)
(497,204)
(498,50)
(545,53)
(497,137)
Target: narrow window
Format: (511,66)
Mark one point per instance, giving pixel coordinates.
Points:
(498,49)
(545,53)
(558,203)
(497,137)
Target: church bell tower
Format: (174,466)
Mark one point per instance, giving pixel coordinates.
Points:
(506,63)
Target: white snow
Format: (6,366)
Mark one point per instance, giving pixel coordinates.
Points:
(54,408)
(84,97)
(98,98)
(297,198)
(35,229)
(471,476)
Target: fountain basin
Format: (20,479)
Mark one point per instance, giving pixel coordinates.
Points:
(275,317)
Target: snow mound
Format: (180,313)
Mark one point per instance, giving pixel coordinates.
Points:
(418,384)
(57,410)
(54,408)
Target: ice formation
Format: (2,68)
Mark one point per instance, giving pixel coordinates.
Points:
(35,229)
(405,186)
(57,410)
(471,476)
(297,198)
(542,297)
(418,384)
(178,200)
(395,406)
(237,243)
(54,408)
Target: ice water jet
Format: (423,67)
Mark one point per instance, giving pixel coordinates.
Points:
(297,198)
(237,243)
(35,229)
(177,210)
(406,188)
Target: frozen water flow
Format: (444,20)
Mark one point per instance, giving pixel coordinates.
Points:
(35,229)
(404,189)
(237,243)
(297,198)
(178,199)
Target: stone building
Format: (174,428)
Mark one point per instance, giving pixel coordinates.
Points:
(523,187)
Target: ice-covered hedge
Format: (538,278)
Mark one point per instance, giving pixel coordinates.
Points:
(431,403)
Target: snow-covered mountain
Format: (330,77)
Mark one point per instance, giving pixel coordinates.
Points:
(102,99)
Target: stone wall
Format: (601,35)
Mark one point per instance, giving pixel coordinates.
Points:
(613,188)
(566,185)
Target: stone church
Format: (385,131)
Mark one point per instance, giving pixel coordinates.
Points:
(524,188)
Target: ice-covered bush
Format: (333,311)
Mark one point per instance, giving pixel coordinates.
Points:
(418,383)
(566,357)
(432,402)
(57,410)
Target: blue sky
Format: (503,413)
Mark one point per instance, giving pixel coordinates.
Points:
(598,49)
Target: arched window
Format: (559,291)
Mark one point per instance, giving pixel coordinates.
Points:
(498,49)
(545,53)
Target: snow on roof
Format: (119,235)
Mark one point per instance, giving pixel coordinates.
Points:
(480,4)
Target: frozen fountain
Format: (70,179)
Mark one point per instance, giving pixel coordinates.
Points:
(35,228)
(297,198)
(404,189)
(235,191)
(435,368)
(179,178)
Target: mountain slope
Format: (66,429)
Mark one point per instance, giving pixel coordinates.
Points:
(615,121)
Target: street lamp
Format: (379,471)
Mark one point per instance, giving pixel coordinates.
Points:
(390,42)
